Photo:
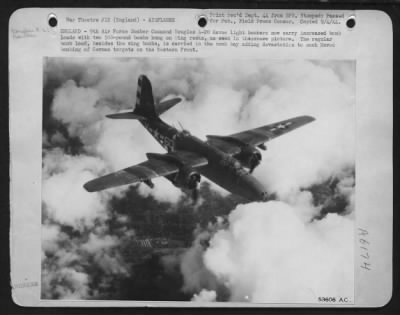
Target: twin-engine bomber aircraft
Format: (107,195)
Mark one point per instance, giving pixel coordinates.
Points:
(226,160)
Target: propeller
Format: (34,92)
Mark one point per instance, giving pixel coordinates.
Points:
(262,146)
(149,183)
(253,164)
(195,195)
(194,186)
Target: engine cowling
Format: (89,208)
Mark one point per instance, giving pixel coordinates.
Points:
(250,157)
(187,178)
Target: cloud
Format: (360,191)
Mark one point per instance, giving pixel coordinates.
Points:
(62,193)
(268,254)
(76,240)
(313,152)
(110,262)
(205,296)
(346,188)
(73,285)
(246,95)
(75,106)
(163,190)
(196,276)
(81,265)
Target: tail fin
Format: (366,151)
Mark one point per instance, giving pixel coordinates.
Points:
(144,99)
(145,107)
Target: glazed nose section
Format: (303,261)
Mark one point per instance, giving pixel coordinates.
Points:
(255,190)
(264,196)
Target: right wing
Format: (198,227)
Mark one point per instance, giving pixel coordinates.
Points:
(266,133)
(258,136)
(157,165)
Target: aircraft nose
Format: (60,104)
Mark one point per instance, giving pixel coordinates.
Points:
(264,196)
(255,191)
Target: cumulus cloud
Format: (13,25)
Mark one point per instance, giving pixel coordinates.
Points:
(81,265)
(163,190)
(248,95)
(205,296)
(268,254)
(196,275)
(62,193)
(74,106)
(313,152)
(264,243)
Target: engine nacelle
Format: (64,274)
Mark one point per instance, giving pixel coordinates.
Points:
(186,178)
(249,156)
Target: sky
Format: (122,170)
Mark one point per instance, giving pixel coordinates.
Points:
(294,248)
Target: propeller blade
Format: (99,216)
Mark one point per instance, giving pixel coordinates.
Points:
(149,183)
(262,146)
(195,195)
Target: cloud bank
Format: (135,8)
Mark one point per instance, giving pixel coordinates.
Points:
(269,254)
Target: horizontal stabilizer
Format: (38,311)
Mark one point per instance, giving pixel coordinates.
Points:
(164,106)
(127,115)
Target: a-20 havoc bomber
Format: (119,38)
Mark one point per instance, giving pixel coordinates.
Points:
(226,160)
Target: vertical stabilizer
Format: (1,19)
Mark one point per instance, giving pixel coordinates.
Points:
(144,99)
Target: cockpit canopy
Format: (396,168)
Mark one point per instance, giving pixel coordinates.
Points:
(184,133)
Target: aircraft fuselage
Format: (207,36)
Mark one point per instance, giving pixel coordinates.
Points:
(222,169)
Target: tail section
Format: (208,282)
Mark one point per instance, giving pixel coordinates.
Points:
(144,99)
(164,106)
(145,107)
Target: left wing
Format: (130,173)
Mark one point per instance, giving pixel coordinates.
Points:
(157,165)
(258,136)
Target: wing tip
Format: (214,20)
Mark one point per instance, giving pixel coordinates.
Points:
(89,187)
(125,115)
(308,118)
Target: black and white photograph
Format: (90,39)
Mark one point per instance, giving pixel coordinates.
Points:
(216,179)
